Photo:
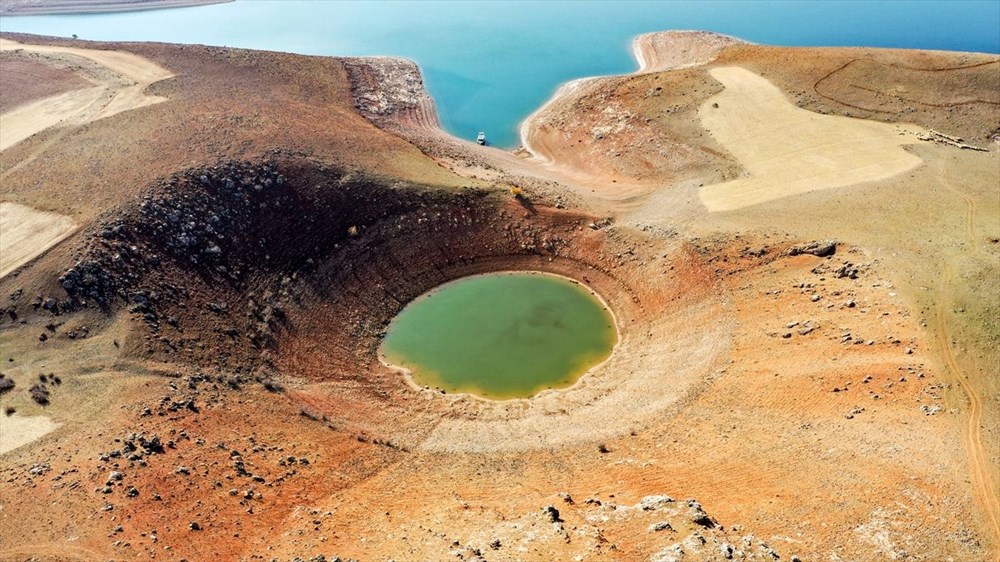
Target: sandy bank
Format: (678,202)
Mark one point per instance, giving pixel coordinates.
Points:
(36,8)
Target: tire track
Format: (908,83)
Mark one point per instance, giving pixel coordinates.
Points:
(829,75)
(984,486)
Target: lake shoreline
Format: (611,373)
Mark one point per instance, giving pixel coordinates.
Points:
(577,379)
(653,52)
(20,8)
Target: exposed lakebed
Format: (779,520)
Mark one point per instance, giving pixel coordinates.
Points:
(501,336)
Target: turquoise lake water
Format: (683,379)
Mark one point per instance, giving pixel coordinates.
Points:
(490,64)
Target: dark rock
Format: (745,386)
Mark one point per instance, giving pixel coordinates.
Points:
(40,394)
(153,445)
(820,248)
(552,513)
(6,384)
(847,270)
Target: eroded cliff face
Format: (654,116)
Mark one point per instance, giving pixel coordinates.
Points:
(390,92)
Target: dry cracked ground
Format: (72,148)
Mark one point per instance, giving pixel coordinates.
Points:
(202,248)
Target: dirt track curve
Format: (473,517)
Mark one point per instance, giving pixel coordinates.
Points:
(119,81)
(979,465)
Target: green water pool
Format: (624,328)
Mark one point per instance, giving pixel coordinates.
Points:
(501,336)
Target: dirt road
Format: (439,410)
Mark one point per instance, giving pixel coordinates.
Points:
(120,80)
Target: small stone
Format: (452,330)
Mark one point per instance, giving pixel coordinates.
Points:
(652,503)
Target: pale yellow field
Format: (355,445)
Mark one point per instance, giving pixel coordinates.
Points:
(787,150)
(25,233)
(16,430)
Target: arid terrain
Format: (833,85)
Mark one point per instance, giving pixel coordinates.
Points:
(202,248)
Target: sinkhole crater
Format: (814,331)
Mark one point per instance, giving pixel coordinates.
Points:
(501,335)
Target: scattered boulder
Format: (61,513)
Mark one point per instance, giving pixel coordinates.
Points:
(848,270)
(652,503)
(40,394)
(820,248)
(6,383)
(698,516)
